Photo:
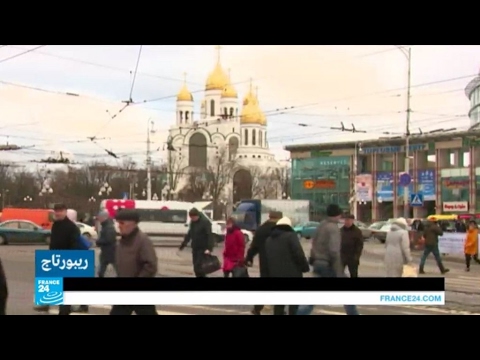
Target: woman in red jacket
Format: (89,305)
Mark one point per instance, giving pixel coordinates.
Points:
(234,250)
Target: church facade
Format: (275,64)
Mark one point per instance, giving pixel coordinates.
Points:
(225,136)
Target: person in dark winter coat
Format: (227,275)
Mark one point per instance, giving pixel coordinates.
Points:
(257,247)
(64,236)
(107,241)
(325,255)
(135,258)
(285,257)
(234,248)
(352,246)
(3,291)
(200,234)
(65,232)
(431,233)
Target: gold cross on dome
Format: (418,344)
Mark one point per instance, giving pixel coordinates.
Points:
(185,78)
(219,49)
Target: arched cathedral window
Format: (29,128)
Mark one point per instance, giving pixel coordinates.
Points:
(212,107)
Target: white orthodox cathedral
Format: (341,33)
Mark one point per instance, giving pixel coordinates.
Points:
(224,128)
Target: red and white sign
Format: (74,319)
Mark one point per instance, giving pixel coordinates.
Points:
(455,206)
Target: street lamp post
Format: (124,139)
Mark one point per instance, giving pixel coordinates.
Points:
(358,149)
(45,191)
(27,199)
(406,195)
(106,189)
(92,199)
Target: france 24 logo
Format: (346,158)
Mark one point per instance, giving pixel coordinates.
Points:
(48,291)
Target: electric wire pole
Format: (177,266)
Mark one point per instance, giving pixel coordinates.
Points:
(149,162)
(406,195)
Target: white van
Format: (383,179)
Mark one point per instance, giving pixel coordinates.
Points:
(165,222)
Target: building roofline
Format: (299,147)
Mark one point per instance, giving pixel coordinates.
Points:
(472,85)
(387,141)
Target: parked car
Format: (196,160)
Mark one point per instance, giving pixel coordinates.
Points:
(23,232)
(376,226)
(87,230)
(366,232)
(306,230)
(381,235)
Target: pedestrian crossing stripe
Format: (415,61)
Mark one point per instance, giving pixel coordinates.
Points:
(416,200)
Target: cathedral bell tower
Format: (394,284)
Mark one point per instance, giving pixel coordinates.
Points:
(184,105)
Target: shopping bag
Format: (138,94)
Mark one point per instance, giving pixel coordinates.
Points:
(409,271)
(208,264)
(240,272)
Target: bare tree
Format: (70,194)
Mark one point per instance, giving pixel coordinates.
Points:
(264,183)
(283,176)
(220,174)
(198,184)
(174,171)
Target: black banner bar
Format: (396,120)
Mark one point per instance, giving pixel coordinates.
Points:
(254,284)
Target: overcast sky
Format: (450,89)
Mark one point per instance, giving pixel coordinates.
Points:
(321,85)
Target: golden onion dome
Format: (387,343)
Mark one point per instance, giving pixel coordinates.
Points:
(229,91)
(250,97)
(263,118)
(217,79)
(251,114)
(184,94)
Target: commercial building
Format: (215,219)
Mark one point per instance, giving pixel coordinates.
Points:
(473,93)
(364,177)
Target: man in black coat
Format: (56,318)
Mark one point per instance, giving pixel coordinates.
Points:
(200,234)
(107,241)
(285,258)
(257,247)
(65,236)
(3,291)
(351,246)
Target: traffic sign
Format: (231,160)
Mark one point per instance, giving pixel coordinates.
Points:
(416,199)
(405,179)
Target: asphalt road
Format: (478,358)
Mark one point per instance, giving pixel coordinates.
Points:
(463,289)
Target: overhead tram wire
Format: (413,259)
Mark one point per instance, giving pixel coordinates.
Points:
(21,54)
(127,102)
(286,109)
(362,55)
(307,105)
(104,66)
(90,63)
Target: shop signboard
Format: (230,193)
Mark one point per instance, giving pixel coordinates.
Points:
(455,206)
(384,186)
(363,187)
(426,184)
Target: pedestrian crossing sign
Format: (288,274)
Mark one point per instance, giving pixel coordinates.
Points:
(416,200)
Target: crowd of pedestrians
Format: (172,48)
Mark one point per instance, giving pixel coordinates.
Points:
(335,249)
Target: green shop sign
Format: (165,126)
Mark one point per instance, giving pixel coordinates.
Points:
(467,142)
(317,153)
(316,162)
